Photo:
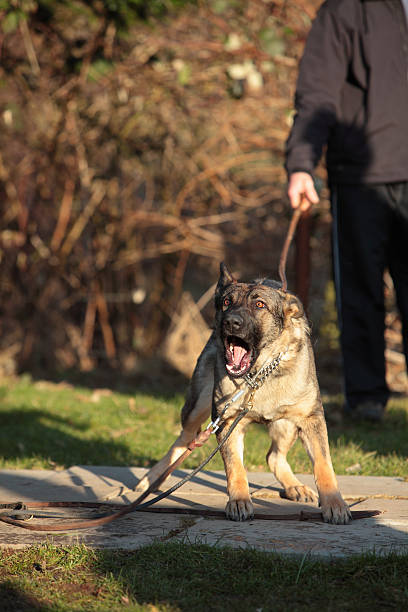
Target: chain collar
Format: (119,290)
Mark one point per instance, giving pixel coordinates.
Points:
(254,381)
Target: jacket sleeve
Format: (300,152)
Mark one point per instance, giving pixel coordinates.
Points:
(322,74)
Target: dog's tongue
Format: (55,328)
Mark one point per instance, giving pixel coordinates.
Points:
(238,359)
(238,353)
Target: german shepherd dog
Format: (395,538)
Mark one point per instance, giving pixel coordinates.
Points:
(257,323)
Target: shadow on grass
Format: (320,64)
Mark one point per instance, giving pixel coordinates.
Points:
(200,577)
(157,377)
(14,599)
(28,435)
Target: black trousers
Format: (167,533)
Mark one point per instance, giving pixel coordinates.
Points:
(370,234)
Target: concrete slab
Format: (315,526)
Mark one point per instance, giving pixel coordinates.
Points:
(207,490)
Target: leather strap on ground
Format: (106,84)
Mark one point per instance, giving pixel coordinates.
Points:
(303,515)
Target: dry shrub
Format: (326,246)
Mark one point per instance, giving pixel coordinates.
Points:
(131,164)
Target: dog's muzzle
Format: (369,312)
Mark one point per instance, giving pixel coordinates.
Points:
(238,349)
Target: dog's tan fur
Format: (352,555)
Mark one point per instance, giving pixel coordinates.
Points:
(271,322)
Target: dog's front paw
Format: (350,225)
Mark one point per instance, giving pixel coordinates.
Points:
(335,510)
(300,493)
(239,510)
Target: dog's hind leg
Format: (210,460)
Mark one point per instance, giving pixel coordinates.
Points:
(284,434)
(194,413)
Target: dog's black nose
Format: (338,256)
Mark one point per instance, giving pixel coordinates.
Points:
(233,323)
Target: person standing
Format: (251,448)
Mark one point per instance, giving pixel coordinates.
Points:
(351,100)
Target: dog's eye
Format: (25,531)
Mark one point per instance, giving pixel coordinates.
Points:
(227,301)
(260,304)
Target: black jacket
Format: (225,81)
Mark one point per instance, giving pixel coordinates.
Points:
(352,93)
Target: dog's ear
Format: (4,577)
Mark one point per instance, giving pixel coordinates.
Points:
(293,307)
(225,279)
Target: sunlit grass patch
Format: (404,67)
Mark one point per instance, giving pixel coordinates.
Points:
(52,426)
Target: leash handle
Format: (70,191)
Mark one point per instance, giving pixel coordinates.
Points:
(284,255)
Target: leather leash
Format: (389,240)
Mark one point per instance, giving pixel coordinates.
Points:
(297,213)
(303,515)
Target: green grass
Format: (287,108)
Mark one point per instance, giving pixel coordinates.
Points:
(65,425)
(177,576)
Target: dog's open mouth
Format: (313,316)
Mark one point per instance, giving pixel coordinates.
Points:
(238,356)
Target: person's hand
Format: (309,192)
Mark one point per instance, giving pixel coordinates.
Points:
(301,191)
